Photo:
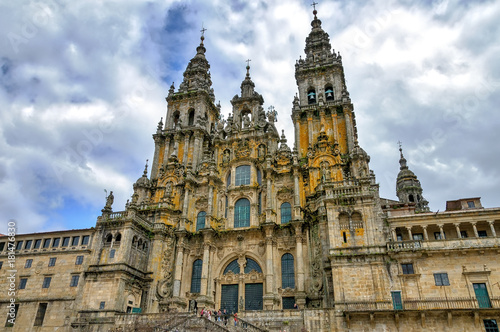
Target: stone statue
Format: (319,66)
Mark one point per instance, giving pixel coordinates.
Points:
(109,200)
(246,121)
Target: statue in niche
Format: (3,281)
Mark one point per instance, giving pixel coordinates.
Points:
(261,151)
(226,156)
(324,171)
(246,121)
(168,190)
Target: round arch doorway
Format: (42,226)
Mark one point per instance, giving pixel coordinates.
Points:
(241,286)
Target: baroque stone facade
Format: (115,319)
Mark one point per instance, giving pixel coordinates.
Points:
(232,217)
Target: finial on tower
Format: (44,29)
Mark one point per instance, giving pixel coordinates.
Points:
(400,148)
(202,33)
(146,169)
(402,160)
(314,7)
(248,67)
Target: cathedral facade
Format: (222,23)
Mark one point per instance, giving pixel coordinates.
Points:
(289,235)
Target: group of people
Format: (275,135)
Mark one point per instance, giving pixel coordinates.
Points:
(218,316)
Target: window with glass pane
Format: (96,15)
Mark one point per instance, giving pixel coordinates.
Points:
(286,213)
(52,261)
(242,213)
(75,241)
(46,282)
(407,268)
(74,281)
(85,240)
(46,243)
(79,260)
(196,276)
(228,180)
(441,279)
(242,175)
(19,245)
(287,271)
(28,244)
(22,283)
(252,265)
(28,263)
(56,241)
(200,220)
(38,243)
(65,242)
(259,177)
(233,267)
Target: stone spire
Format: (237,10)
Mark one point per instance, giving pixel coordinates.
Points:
(408,188)
(247,86)
(197,74)
(318,46)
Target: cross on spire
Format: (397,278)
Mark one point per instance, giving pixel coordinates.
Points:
(248,67)
(400,144)
(248,62)
(202,30)
(314,5)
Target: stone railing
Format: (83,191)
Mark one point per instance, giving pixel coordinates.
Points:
(117,215)
(482,242)
(404,245)
(437,303)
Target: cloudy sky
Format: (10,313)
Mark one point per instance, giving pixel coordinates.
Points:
(83,86)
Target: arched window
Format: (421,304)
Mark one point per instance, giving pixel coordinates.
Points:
(411,198)
(252,265)
(311,96)
(259,203)
(176,118)
(329,93)
(200,220)
(242,175)
(196,276)
(286,213)
(233,267)
(134,242)
(242,213)
(191,117)
(109,238)
(287,272)
(118,237)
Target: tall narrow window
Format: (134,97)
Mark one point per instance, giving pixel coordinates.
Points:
(242,213)
(52,261)
(191,117)
(22,283)
(56,242)
(46,282)
(200,220)
(225,212)
(112,253)
(260,203)
(19,245)
(46,243)
(28,244)
(74,281)
(287,271)
(65,242)
(38,243)
(196,276)
(259,177)
(40,314)
(85,240)
(242,175)
(286,213)
(79,260)
(75,240)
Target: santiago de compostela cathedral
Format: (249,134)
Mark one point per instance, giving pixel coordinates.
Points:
(234,216)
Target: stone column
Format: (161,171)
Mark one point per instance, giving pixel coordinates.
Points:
(179,261)
(426,236)
(210,204)
(296,195)
(177,137)
(457,227)
(475,229)
(349,131)
(394,236)
(441,231)
(299,259)
(310,130)
(196,150)
(269,196)
(186,148)
(206,262)
(408,228)
(492,227)
(268,296)
(156,159)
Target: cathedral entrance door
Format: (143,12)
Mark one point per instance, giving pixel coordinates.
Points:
(229,298)
(253,296)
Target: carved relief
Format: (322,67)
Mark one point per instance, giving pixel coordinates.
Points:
(164,287)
